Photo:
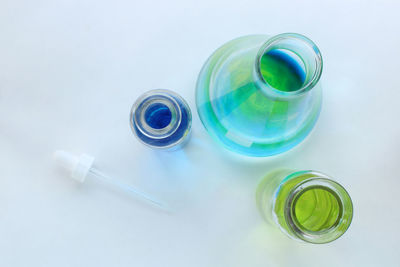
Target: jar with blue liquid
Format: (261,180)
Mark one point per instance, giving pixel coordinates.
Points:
(161,119)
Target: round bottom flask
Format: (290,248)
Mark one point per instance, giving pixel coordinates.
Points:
(306,205)
(161,119)
(259,95)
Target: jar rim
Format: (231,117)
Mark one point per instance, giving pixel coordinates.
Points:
(344,217)
(144,101)
(177,105)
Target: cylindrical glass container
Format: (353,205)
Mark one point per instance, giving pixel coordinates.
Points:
(306,205)
(161,119)
(259,95)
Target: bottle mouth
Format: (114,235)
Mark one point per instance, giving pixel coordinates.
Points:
(288,64)
(318,210)
(156,114)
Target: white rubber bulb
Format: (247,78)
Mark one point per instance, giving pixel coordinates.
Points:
(77,166)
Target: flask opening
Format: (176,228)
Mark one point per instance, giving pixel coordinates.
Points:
(288,64)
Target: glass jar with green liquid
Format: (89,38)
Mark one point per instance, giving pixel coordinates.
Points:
(306,205)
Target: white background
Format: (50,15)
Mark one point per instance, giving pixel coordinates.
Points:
(69,73)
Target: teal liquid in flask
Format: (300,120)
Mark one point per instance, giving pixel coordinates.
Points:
(260,95)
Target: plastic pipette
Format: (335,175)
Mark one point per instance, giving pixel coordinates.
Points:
(82,167)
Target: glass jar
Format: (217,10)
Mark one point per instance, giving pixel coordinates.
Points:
(259,95)
(161,119)
(306,205)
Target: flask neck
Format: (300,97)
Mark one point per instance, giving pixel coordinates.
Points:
(287,66)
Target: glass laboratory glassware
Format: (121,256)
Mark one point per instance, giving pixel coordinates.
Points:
(306,205)
(161,119)
(259,95)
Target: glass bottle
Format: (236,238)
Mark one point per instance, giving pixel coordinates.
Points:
(259,95)
(306,205)
(161,119)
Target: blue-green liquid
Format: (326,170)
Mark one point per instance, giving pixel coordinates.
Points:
(281,71)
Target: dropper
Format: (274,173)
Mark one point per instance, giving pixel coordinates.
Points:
(82,166)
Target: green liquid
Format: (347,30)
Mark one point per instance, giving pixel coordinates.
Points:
(316,209)
(281,71)
(306,205)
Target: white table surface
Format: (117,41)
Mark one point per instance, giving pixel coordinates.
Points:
(69,73)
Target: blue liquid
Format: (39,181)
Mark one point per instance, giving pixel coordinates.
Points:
(165,122)
(158,116)
(182,130)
